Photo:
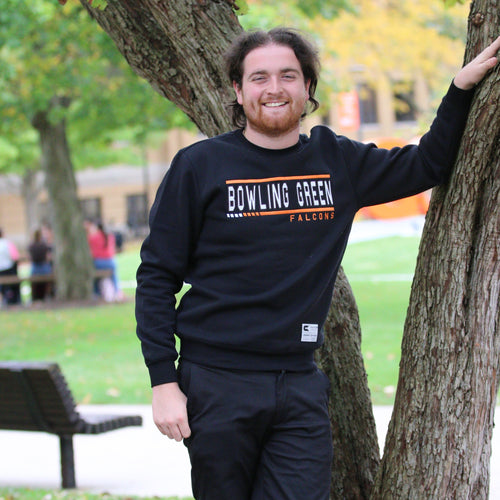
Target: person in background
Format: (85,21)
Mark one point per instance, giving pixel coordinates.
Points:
(41,264)
(103,250)
(9,257)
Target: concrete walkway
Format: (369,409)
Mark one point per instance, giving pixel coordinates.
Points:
(369,229)
(133,461)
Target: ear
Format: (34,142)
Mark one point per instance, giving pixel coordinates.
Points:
(239,96)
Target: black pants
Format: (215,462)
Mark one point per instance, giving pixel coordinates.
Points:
(257,435)
(11,294)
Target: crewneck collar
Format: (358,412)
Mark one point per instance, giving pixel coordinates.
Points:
(241,136)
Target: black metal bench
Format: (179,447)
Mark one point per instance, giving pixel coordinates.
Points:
(46,280)
(14,279)
(34,396)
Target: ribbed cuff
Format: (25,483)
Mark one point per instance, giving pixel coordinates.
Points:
(461,95)
(162,372)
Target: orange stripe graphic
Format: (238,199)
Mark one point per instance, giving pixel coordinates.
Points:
(287,212)
(275,179)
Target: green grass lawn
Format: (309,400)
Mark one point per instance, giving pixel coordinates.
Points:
(127,263)
(95,346)
(380,273)
(99,353)
(27,494)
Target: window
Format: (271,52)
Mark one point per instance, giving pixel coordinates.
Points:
(91,208)
(367,103)
(137,211)
(405,108)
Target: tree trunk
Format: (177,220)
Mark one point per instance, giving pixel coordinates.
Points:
(72,264)
(439,439)
(30,189)
(177,47)
(356,450)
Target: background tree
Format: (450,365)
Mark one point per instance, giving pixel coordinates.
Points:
(20,164)
(177,46)
(65,80)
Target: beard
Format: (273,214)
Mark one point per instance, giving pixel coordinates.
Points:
(274,122)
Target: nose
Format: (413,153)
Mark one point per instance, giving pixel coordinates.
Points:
(274,86)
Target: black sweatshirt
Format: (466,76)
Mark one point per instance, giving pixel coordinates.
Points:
(259,235)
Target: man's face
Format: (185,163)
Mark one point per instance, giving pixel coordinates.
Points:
(273,92)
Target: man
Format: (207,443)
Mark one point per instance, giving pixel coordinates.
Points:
(256,221)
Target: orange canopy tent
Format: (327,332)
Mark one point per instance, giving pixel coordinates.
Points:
(406,207)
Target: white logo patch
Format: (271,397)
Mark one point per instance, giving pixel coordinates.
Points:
(309,332)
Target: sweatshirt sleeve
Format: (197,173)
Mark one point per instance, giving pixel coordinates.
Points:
(381,175)
(165,255)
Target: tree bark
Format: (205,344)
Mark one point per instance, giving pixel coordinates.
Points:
(177,47)
(356,451)
(73,265)
(30,190)
(439,440)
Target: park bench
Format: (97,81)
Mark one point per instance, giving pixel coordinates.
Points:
(34,396)
(42,278)
(49,279)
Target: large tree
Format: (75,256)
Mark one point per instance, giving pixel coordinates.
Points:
(65,84)
(177,47)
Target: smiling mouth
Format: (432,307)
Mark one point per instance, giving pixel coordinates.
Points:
(274,104)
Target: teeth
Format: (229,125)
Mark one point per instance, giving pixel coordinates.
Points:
(274,104)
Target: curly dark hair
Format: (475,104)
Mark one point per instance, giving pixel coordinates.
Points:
(304,50)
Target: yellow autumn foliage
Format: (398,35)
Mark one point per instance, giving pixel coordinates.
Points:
(396,39)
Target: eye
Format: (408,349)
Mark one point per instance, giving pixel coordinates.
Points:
(258,78)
